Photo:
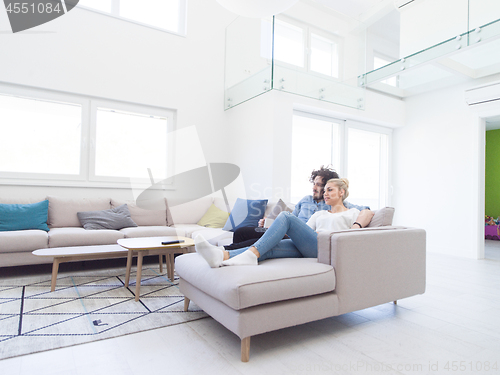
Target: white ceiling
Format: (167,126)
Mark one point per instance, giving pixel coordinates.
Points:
(351,8)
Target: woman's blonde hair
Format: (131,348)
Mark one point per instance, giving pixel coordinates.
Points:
(342,184)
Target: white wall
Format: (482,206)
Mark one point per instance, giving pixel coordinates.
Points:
(262,130)
(438,164)
(92,54)
(425,23)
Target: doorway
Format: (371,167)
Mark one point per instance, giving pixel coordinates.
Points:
(492,187)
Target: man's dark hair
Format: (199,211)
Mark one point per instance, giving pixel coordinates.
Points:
(326,173)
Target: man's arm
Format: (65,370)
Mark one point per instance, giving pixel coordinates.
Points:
(350,205)
(296,210)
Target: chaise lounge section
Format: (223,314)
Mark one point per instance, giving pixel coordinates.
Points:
(355,269)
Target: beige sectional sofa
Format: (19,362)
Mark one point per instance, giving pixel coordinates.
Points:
(355,269)
(66,231)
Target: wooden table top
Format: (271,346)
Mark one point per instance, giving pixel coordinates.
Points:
(149,243)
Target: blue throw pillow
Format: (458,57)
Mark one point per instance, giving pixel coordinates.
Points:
(246,213)
(24,216)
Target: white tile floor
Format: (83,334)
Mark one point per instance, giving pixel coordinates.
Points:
(454,328)
(492,249)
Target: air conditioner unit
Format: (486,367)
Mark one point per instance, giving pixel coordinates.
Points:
(401,3)
(483,94)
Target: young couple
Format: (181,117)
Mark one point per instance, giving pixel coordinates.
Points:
(300,227)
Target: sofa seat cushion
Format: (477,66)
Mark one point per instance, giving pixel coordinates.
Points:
(61,237)
(216,236)
(188,229)
(23,240)
(272,280)
(151,231)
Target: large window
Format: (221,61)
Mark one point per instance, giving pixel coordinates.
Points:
(81,140)
(367,166)
(380,61)
(324,56)
(167,15)
(289,44)
(31,134)
(357,151)
(139,146)
(306,47)
(316,141)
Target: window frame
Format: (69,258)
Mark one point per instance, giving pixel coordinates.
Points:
(385,183)
(301,26)
(307,31)
(37,94)
(87,152)
(345,124)
(126,107)
(115,13)
(340,50)
(389,60)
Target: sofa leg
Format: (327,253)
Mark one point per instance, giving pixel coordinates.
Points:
(186,304)
(395,302)
(245,349)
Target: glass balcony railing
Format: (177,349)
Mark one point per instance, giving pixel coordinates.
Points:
(316,52)
(464,46)
(308,51)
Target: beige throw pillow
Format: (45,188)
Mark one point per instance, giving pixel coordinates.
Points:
(155,216)
(382,217)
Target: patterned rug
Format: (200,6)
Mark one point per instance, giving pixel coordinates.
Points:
(86,306)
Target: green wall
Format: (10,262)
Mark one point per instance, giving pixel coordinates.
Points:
(492,180)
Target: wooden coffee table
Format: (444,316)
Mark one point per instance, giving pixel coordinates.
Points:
(152,246)
(79,253)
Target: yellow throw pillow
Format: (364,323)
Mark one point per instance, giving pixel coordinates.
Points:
(214,218)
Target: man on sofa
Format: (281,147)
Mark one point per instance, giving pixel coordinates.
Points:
(304,209)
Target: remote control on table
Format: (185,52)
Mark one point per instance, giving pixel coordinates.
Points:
(172,242)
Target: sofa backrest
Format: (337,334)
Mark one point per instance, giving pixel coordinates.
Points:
(63,211)
(220,203)
(155,215)
(4,200)
(190,212)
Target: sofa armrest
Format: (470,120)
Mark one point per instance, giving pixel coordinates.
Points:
(374,265)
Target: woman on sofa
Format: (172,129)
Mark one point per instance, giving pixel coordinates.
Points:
(303,241)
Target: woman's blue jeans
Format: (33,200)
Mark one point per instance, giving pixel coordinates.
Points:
(303,242)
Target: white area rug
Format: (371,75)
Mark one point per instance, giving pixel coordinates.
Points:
(86,306)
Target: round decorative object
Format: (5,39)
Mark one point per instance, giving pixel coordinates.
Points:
(257,8)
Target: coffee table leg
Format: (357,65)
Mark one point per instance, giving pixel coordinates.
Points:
(161,262)
(169,269)
(129,266)
(172,266)
(139,274)
(55,270)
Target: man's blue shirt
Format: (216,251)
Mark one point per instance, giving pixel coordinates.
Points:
(307,206)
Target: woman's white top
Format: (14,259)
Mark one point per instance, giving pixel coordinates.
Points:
(326,221)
